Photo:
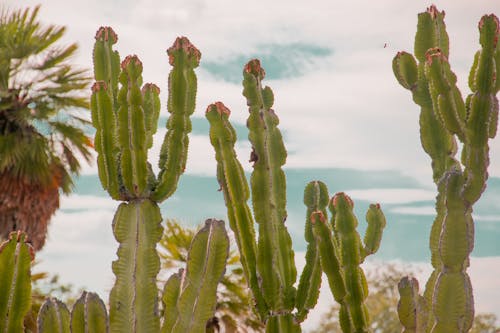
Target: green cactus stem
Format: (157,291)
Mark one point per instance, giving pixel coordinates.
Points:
(316,200)
(182,85)
(132,128)
(170,297)
(133,299)
(89,315)
(15,282)
(206,265)
(445,115)
(234,185)
(482,109)
(412,308)
(331,265)
(53,317)
(351,256)
(104,120)
(275,254)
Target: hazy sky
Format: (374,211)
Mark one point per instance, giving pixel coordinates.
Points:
(329,65)
(338,102)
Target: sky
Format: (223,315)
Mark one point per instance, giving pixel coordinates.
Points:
(329,65)
(338,101)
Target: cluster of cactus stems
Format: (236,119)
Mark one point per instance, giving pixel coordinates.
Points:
(268,261)
(125,114)
(447,303)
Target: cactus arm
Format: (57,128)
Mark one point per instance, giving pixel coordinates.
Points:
(330,264)
(170,297)
(89,315)
(234,185)
(483,110)
(376,224)
(104,120)
(446,98)
(151,105)
(275,253)
(132,128)
(316,199)
(205,267)
(53,317)
(15,282)
(351,249)
(412,308)
(431,32)
(182,83)
(133,299)
(106,61)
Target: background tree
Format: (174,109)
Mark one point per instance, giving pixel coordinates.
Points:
(41,129)
(382,303)
(233,310)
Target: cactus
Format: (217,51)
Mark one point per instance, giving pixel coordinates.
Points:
(125,116)
(342,252)
(444,118)
(269,262)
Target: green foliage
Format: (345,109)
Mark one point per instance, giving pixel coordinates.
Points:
(448,304)
(42,122)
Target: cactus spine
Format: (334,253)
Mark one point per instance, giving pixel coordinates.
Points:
(444,116)
(269,262)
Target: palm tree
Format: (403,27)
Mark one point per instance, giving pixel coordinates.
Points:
(41,132)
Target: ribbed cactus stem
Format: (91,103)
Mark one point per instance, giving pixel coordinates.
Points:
(275,261)
(331,265)
(15,282)
(132,129)
(316,200)
(412,308)
(53,317)
(233,184)
(105,142)
(482,109)
(351,256)
(182,85)
(444,114)
(89,315)
(133,299)
(197,290)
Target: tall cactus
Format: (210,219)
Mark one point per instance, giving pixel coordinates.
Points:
(125,113)
(444,117)
(269,262)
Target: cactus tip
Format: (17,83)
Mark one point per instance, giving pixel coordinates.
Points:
(434,12)
(131,59)
(341,196)
(105,34)
(219,107)
(99,85)
(317,216)
(432,53)
(183,44)
(253,67)
(151,86)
